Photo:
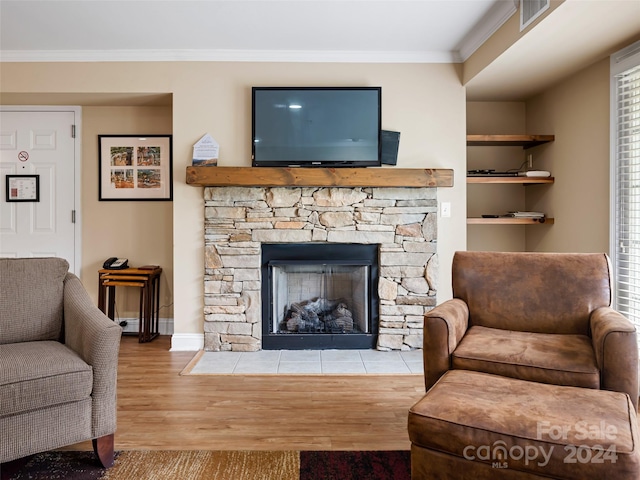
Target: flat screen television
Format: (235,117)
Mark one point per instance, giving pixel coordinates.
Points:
(316,126)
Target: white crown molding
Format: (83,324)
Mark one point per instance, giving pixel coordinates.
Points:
(492,21)
(299,56)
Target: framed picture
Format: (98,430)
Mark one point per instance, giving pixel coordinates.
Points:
(23,188)
(135,167)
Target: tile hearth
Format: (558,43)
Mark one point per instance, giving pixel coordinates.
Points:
(335,362)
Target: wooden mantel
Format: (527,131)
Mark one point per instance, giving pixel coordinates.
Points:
(318,177)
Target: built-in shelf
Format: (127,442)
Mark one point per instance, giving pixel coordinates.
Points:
(509,221)
(515,180)
(525,141)
(318,177)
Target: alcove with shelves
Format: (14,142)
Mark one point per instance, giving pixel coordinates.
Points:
(526,142)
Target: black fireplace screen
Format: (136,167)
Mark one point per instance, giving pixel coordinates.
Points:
(319,296)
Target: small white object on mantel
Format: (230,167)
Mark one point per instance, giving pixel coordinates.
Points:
(205,152)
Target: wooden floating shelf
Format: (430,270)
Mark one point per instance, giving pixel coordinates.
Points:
(522,180)
(318,177)
(525,141)
(509,221)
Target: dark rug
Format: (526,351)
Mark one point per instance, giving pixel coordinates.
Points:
(388,465)
(195,465)
(54,465)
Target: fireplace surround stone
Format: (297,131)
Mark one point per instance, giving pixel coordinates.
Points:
(402,221)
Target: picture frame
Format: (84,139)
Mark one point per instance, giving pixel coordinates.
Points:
(135,167)
(23,188)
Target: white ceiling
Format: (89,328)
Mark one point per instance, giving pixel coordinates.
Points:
(576,34)
(431,30)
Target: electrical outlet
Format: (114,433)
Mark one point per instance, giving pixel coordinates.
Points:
(445,209)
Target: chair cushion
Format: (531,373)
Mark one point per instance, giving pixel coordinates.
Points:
(31,298)
(538,357)
(36,375)
(547,430)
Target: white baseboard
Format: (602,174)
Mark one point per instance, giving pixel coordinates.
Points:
(165,325)
(187,342)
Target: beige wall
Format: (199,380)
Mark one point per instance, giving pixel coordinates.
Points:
(576,111)
(425,102)
(507,35)
(495,118)
(140,231)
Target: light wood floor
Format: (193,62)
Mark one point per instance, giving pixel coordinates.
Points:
(159,409)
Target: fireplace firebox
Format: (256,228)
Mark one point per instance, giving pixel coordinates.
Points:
(319,296)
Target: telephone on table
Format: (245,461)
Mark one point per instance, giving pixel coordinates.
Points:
(115,263)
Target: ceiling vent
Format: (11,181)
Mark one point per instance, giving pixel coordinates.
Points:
(530,10)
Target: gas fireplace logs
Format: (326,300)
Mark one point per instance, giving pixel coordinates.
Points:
(319,315)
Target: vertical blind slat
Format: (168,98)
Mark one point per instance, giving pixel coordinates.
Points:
(628,194)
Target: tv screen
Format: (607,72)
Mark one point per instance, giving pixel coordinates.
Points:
(323,126)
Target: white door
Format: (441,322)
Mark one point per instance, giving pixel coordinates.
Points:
(38,143)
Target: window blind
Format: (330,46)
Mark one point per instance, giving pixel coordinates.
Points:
(626,152)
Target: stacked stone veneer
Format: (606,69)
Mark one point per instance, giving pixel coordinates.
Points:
(239,219)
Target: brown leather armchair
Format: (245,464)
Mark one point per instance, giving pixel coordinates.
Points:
(543,317)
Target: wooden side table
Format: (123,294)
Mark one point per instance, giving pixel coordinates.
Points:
(148,281)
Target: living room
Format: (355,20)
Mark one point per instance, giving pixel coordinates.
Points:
(434,105)
(428,102)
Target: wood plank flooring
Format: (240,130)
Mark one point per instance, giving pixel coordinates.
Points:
(159,409)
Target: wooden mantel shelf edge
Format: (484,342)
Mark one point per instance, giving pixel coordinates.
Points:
(318,177)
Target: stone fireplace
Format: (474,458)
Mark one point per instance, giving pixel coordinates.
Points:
(399,222)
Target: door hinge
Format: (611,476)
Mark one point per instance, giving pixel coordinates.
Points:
(73,216)
(73,131)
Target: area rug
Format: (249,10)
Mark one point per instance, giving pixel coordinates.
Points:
(216,465)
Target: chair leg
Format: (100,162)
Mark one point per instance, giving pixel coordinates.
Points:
(103,448)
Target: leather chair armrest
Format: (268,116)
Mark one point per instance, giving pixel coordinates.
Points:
(616,348)
(444,327)
(96,338)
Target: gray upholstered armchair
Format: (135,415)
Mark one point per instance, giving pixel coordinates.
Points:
(542,317)
(58,357)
